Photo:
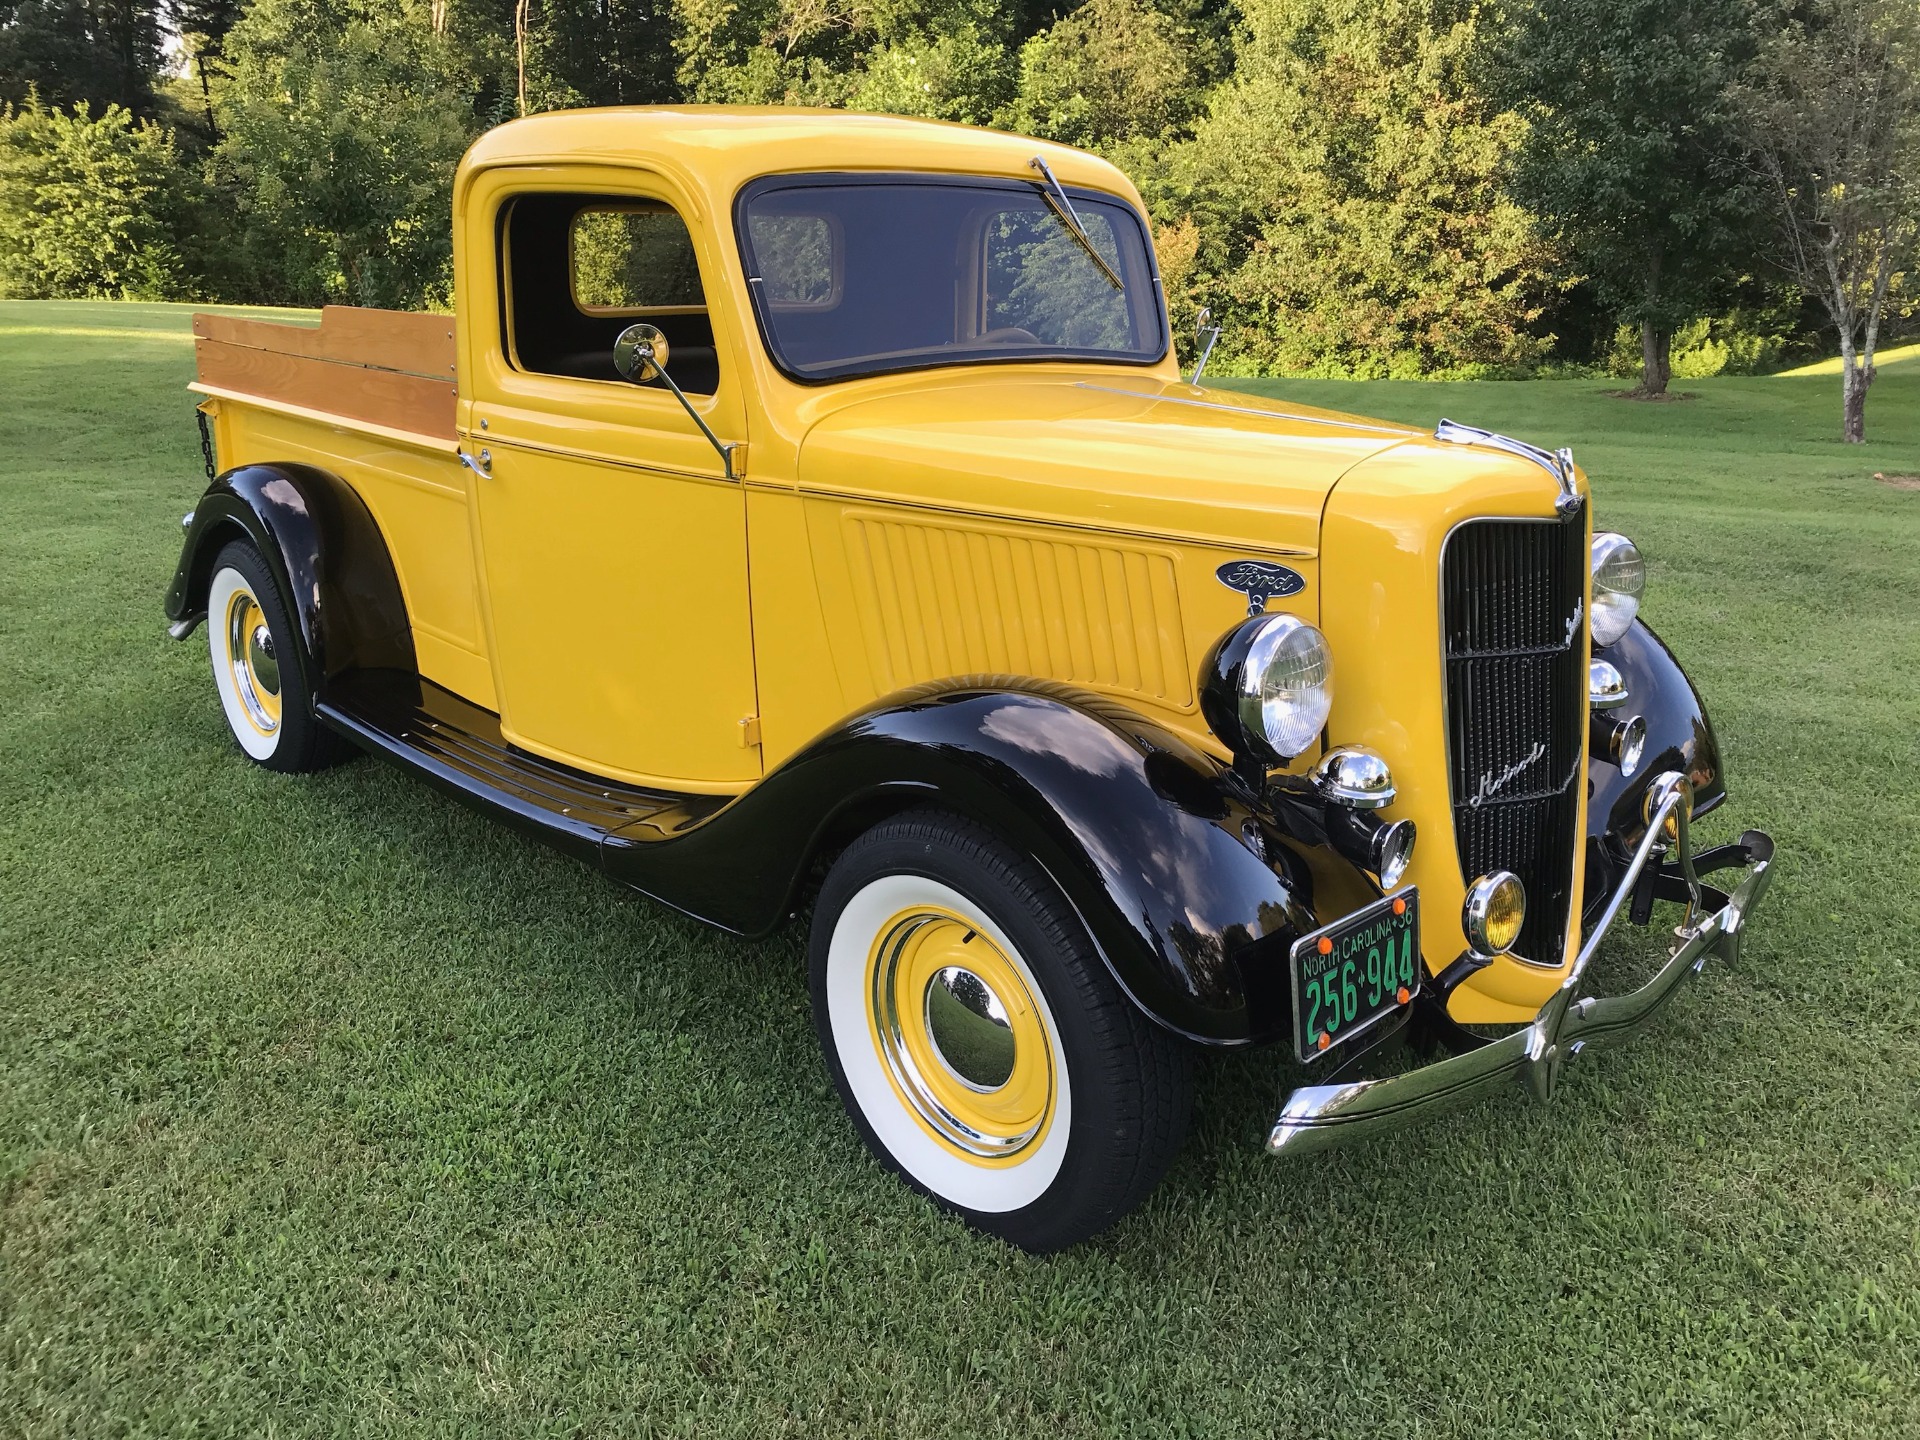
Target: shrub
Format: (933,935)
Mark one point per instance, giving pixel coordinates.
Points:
(87,206)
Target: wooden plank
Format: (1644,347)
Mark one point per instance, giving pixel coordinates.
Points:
(380,397)
(410,342)
(272,335)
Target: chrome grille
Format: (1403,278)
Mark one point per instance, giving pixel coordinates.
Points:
(1516,653)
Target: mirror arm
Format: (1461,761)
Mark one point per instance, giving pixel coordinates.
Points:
(721,447)
(1212,332)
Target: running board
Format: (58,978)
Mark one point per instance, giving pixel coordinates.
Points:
(458,747)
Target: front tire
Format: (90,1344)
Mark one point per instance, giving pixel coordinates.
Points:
(259,668)
(978,1042)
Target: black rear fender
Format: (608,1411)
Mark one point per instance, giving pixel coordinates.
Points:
(327,555)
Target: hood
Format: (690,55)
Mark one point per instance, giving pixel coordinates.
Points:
(1120,452)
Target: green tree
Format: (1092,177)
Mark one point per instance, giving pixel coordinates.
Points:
(950,59)
(85,205)
(1834,128)
(1348,189)
(343,123)
(1632,158)
(1110,70)
(604,52)
(72,52)
(202,26)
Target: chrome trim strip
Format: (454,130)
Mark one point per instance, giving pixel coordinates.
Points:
(1557,463)
(1318,1117)
(1403,432)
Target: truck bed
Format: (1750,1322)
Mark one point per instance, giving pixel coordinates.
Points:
(390,368)
(368,396)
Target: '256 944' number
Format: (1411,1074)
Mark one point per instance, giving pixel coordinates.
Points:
(1353,972)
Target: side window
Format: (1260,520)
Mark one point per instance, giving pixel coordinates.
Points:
(579,269)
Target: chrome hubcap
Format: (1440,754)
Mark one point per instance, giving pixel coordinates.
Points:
(266,669)
(968,1026)
(250,659)
(960,1035)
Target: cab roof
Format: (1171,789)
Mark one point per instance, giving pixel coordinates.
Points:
(719,148)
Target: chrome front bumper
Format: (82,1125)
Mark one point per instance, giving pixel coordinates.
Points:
(1317,1117)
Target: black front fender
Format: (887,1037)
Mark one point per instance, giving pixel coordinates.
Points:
(328,558)
(1679,737)
(1147,837)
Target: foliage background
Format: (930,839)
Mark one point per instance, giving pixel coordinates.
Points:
(1355,189)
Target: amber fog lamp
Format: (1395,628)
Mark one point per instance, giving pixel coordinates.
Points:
(1267,688)
(1495,909)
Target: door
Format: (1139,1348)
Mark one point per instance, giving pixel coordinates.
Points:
(614,548)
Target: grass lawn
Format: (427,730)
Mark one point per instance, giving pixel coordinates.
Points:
(330,1108)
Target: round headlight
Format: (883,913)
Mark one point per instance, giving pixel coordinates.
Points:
(1269,687)
(1619,580)
(1495,910)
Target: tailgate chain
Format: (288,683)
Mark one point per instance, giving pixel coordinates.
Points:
(206,445)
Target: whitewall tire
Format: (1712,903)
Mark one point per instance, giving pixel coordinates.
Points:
(260,667)
(978,1042)
(931,1124)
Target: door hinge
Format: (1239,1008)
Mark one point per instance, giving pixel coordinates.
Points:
(749,732)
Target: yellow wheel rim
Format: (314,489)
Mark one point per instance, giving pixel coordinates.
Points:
(965,1046)
(250,657)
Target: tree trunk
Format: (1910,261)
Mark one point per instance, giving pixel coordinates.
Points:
(1655,345)
(206,91)
(520,47)
(1854,380)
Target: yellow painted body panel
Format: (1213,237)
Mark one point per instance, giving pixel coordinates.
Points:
(1380,608)
(614,550)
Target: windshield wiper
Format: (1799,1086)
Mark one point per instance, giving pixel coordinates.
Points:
(1063,208)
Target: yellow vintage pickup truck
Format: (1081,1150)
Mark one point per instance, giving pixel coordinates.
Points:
(805,513)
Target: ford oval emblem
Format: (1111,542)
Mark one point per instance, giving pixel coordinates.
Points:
(1260,581)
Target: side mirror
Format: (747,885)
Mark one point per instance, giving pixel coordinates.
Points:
(1208,334)
(640,353)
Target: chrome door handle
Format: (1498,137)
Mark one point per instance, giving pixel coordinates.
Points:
(483,467)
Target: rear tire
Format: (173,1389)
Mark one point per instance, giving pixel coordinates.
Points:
(978,1042)
(260,668)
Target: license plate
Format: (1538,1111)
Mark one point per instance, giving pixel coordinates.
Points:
(1355,972)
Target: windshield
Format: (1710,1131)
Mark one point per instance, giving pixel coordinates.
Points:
(860,274)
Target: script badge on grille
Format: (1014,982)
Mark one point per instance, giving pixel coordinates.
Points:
(1260,581)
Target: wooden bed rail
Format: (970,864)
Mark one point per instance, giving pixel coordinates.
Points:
(393,368)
